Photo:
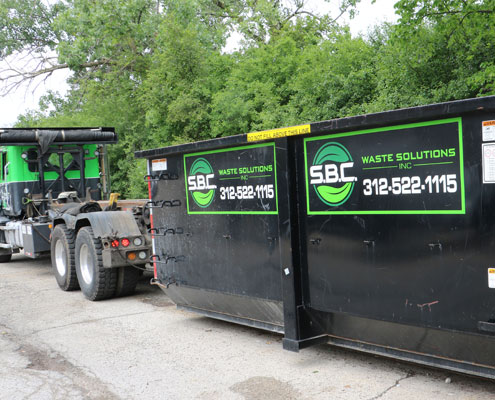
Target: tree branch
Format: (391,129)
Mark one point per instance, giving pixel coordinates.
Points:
(13,77)
(52,68)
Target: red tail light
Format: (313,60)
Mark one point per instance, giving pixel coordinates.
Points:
(125,242)
(115,243)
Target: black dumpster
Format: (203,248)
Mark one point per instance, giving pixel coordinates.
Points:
(374,232)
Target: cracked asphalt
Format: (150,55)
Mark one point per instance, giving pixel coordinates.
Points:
(57,345)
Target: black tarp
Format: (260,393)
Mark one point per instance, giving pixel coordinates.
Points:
(45,137)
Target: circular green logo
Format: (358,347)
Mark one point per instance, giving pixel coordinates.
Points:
(201,190)
(328,174)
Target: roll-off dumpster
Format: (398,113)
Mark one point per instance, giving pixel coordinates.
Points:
(375,232)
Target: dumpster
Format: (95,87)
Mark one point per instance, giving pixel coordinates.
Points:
(374,232)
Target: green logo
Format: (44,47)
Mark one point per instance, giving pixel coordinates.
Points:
(198,182)
(328,174)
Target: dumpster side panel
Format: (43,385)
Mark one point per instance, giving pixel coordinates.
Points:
(410,242)
(216,233)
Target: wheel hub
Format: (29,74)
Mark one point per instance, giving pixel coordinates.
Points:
(60,258)
(85,263)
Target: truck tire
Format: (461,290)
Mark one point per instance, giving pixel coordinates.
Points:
(62,251)
(127,279)
(97,282)
(5,258)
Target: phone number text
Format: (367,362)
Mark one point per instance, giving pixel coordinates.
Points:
(247,192)
(410,185)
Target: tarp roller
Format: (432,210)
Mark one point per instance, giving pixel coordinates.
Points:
(18,136)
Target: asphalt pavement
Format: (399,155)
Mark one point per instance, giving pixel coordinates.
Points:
(58,345)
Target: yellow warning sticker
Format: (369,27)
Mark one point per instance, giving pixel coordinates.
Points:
(279,133)
(491,278)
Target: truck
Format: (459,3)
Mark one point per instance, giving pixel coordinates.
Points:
(55,200)
(374,232)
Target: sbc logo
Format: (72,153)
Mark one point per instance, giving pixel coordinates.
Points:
(328,174)
(198,182)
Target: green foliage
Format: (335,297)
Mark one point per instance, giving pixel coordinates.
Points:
(270,85)
(27,24)
(454,40)
(107,32)
(337,80)
(185,69)
(156,71)
(257,91)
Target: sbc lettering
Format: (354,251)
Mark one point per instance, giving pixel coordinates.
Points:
(200,182)
(330,173)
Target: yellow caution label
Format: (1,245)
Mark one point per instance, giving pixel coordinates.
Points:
(279,133)
(491,278)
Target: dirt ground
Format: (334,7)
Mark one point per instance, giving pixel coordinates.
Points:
(57,345)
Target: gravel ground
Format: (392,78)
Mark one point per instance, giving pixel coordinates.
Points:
(57,345)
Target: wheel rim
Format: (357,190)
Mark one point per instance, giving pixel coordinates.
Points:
(85,263)
(60,258)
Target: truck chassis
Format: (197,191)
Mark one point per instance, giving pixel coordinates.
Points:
(100,247)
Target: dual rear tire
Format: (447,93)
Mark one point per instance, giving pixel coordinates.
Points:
(78,263)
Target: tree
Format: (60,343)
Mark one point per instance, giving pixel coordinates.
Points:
(87,36)
(458,33)
(154,69)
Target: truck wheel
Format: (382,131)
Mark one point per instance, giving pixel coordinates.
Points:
(62,251)
(5,258)
(97,283)
(127,279)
